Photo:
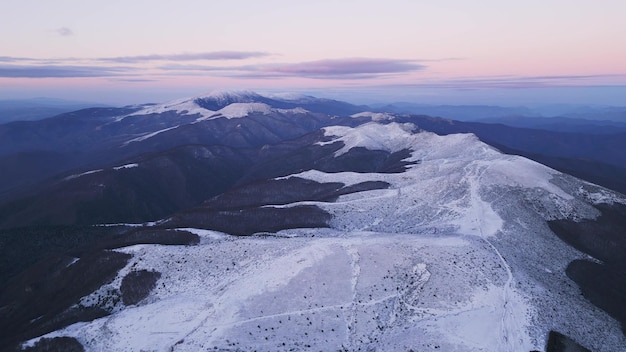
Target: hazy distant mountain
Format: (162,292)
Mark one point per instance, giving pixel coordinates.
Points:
(99,136)
(456,112)
(37,108)
(500,114)
(610,113)
(562,124)
(280,223)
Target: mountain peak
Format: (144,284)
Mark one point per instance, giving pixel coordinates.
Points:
(391,137)
(238,110)
(218,99)
(290,96)
(208,104)
(223,95)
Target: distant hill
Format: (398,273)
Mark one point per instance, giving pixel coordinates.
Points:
(501,114)
(38,108)
(561,124)
(456,112)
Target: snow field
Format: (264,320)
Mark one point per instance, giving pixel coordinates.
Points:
(351,290)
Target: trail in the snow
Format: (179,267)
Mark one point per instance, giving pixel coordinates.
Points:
(356,272)
(505,329)
(473,174)
(506,341)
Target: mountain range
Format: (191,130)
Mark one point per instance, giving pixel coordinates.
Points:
(38,108)
(240,221)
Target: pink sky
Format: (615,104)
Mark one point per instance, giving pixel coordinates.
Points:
(118,51)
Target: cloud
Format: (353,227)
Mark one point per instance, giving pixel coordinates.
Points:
(192,64)
(8,59)
(349,68)
(341,68)
(215,55)
(139,59)
(24,67)
(519,82)
(134,80)
(35,61)
(64,31)
(54,71)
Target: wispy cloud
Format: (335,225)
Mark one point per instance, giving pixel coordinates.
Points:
(64,31)
(25,67)
(210,56)
(340,68)
(140,68)
(348,68)
(134,80)
(13,59)
(198,63)
(140,59)
(516,82)
(58,71)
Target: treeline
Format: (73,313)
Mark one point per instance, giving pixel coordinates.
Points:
(24,246)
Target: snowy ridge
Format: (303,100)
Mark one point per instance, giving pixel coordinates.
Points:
(127,166)
(375,116)
(293,111)
(450,179)
(71,177)
(445,152)
(232,96)
(289,96)
(391,138)
(189,106)
(236,105)
(454,255)
(238,110)
(185,106)
(148,135)
(116,168)
(599,195)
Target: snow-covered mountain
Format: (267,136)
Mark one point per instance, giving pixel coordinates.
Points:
(215,105)
(373,236)
(85,140)
(232,104)
(33,151)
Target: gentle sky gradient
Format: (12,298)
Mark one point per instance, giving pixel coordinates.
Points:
(445,51)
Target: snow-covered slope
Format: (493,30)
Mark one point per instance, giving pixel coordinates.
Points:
(375,116)
(455,255)
(183,106)
(239,110)
(231,105)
